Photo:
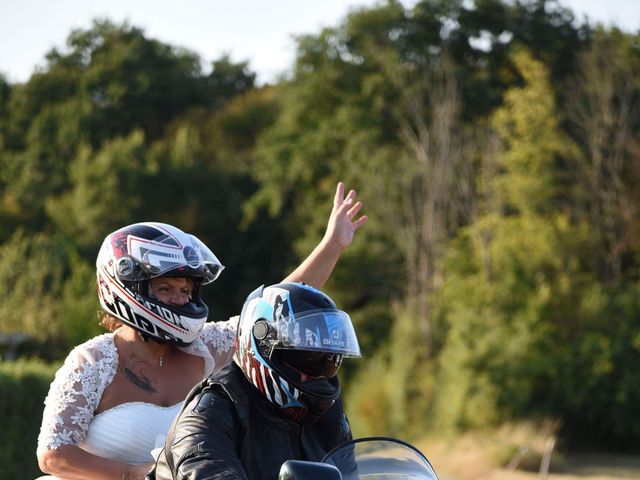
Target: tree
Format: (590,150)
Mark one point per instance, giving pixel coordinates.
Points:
(103,136)
(603,104)
(228,80)
(511,273)
(334,125)
(32,272)
(105,192)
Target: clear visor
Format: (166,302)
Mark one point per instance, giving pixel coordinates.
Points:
(156,258)
(328,331)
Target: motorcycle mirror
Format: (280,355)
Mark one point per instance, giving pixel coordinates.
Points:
(304,470)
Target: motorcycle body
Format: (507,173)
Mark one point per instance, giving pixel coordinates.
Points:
(369,458)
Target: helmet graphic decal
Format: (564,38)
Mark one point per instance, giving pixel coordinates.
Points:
(269,383)
(160,257)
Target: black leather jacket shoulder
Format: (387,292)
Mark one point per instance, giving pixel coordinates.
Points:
(226,430)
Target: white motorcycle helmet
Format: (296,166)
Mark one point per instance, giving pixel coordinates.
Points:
(131,256)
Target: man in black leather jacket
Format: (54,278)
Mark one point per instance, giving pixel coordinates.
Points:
(278,401)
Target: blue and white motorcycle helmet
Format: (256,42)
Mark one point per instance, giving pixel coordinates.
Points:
(291,342)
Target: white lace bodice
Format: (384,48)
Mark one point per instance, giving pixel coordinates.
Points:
(79,384)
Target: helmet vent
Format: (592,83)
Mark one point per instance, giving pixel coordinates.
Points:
(312,298)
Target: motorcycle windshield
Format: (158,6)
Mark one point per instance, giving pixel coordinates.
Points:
(379,458)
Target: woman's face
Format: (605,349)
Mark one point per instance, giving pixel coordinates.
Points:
(171,290)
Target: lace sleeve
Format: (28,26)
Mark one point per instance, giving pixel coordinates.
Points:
(75,393)
(220,339)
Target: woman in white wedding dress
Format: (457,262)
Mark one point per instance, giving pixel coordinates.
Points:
(112,401)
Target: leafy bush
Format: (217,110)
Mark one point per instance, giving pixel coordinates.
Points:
(23,387)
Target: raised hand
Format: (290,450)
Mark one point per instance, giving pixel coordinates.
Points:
(343,223)
(317,267)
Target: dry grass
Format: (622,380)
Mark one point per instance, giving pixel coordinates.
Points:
(515,452)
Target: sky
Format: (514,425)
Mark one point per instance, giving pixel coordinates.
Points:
(258,31)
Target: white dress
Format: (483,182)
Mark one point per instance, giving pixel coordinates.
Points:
(126,432)
(129,432)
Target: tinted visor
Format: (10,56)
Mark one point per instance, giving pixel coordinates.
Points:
(322,331)
(314,364)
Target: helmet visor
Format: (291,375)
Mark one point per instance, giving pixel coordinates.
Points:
(163,256)
(314,364)
(326,331)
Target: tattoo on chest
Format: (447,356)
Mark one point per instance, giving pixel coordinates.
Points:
(139,379)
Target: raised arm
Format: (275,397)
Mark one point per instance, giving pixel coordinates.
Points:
(341,227)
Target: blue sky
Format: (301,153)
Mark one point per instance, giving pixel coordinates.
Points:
(258,31)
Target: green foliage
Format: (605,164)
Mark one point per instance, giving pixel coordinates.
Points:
(32,269)
(591,385)
(105,191)
(131,81)
(602,102)
(525,320)
(520,263)
(116,129)
(78,307)
(49,293)
(529,126)
(228,79)
(395,387)
(23,387)
(368,405)
(509,268)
